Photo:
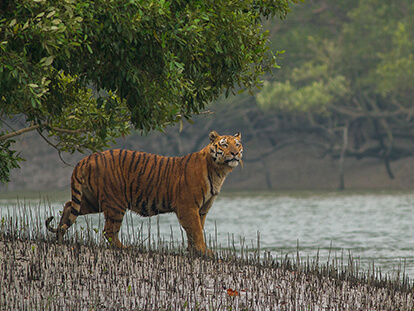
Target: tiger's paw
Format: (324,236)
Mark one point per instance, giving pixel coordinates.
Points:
(198,252)
(209,253)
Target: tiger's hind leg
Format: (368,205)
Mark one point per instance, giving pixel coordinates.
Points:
(64,223)
(71,211)
(113,222)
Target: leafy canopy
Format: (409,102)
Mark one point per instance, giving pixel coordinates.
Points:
(150,64)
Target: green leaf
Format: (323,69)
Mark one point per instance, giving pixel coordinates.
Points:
(47,61)
(50,14)
(40,15)
(89,48)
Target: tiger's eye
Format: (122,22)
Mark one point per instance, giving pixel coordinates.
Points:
(223,143)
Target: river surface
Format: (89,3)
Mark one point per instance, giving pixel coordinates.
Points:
(376,229)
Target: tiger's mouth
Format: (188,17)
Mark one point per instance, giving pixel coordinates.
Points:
(232,162)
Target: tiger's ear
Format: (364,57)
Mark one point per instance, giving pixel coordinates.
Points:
(213,135)
(237,135)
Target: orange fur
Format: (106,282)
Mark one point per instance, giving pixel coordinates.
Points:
(116,180)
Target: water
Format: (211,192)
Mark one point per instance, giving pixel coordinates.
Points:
(376,229)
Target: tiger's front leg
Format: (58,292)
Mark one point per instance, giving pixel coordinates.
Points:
(191,222)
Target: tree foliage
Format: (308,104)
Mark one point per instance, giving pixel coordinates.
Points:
(151,63)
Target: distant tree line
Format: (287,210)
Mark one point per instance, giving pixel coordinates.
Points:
(347,81)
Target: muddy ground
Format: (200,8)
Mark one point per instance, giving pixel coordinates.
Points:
(43,275)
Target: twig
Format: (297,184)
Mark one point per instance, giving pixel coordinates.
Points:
(55,147)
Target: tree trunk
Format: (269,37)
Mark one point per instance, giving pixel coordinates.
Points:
(342,157)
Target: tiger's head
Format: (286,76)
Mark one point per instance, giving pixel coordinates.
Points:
(226,149)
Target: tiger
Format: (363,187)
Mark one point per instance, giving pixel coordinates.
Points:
(117,180)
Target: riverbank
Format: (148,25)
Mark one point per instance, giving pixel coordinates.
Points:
(39,274)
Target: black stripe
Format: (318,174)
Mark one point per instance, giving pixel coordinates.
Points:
(138,191)
(137,162)
(98,163)
(217,173)
(75,177)
(154,208)
(74,211)
(144,166)
(160,168)
(124,157)
(168,178)
(195,200)
(105,158)
(138,201)
(116,204)
(155,183)
(188,159)
(117,179)
(76,200)
(149,180)
(115,220)
(131,161)
(204,196)
(89,176)
(133,180)
(164,203)
(186,171)
(211,184)
(144,211)
(119,155)
(75,190)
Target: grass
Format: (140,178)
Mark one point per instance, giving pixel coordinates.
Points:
(84,273)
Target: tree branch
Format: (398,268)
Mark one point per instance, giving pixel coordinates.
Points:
(39,126)
(22,131)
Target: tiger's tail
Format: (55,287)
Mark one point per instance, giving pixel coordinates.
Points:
(49,227)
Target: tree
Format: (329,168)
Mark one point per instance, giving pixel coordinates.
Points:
(150,63)
(351,91)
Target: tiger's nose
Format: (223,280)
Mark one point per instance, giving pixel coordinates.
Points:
(234,153)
